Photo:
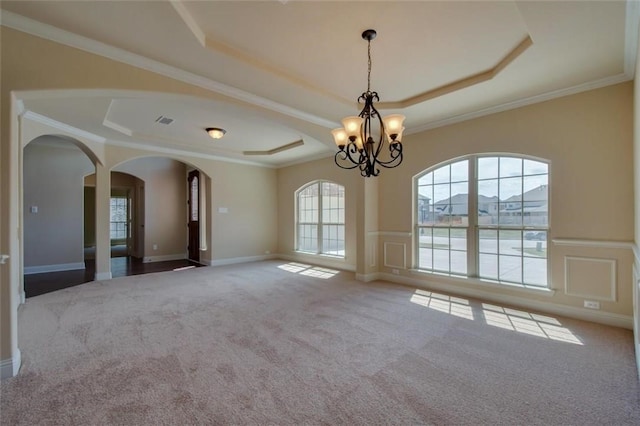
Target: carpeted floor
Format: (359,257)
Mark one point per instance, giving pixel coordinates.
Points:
(283,343)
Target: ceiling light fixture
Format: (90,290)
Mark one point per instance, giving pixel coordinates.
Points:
(216,132)
(367,155)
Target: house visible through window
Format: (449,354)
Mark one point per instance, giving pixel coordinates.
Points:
(320,219)
(494,226)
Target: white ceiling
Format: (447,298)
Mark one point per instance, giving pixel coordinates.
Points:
(435,62)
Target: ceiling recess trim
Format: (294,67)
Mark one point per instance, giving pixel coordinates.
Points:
(464,82)
(49,32)
(276,150)
(226,49)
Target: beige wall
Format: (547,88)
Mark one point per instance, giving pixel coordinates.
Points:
(588,140)
(54,173)
(165,195)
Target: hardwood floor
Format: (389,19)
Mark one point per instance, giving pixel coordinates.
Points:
(36,284)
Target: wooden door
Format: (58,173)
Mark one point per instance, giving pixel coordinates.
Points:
(194,215)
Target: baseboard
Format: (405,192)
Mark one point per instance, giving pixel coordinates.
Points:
(103,276)
(234,260)
(164,258)
(10,367)
(28,270)
(616,320)
(368,277)
(317,260)
(638,359)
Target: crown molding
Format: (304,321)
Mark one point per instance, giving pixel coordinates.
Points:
(49,32)
(184,153)
(596,84)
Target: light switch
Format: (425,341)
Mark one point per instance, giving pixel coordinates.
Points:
(34,209)
(223,210)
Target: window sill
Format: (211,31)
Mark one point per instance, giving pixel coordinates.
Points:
(541,291)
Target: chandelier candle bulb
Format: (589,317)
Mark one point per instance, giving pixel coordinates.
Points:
(340,137)
(393,125)
(353,126)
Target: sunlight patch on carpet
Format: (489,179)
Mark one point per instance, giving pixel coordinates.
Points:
(497,316)
(184,268)
(308,270)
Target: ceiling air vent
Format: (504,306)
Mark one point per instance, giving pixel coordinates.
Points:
(164,120)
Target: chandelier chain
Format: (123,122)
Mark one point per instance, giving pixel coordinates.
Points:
(369,64)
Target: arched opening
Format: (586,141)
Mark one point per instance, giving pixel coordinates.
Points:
(168,215)
(53,214)
(126,216)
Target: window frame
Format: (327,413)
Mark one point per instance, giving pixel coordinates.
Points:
(474,227)
(320,250)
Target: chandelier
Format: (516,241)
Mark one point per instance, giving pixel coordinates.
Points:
(358,145)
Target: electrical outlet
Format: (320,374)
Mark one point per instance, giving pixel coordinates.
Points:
(395,272)
(155,247)
(591,304)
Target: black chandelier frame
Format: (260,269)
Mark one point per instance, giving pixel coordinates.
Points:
(366,156)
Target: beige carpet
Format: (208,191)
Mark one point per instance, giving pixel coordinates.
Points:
(280,343)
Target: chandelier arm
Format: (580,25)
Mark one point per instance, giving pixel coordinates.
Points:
(395,152)
(347,152)
(375,113)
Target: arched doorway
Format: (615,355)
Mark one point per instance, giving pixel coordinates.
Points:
(53,213)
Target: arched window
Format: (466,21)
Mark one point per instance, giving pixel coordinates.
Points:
(484,217)
(320,219)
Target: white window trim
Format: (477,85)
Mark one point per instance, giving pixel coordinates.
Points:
(473,251)
(320,223)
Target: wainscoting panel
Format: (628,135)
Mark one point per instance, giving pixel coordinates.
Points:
(395,255)
(373,253)
(593,278)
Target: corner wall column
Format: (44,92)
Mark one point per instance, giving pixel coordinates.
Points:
(103,239)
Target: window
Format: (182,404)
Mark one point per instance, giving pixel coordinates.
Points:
(320,219)
(494,226)
(119,229)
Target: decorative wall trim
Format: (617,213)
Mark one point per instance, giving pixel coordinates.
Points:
(373,253)
(38,29)
(615,320)
(164,258)
(404,255)
(10,367)
(103,276)
(390,234)
(612,277)
(28,270)
(625,245)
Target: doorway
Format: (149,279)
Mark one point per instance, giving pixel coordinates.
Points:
(194,215)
